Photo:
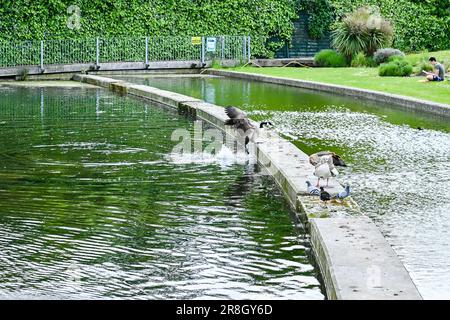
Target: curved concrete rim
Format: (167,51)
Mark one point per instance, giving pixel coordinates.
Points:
(399,100)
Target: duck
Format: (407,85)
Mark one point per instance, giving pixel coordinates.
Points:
(324,196)
(239,120)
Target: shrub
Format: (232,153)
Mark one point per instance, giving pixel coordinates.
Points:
(396,67)
(382,55)
(423,64)
(363,30)
(330,58)
(417,24)
(360,60)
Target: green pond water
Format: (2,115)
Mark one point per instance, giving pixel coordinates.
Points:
(400,175)
(93,206)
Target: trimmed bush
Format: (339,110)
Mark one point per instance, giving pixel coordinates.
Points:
(396,67)
(383,55)
(360,60)
(330,58)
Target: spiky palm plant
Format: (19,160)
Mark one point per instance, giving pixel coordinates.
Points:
(363,30)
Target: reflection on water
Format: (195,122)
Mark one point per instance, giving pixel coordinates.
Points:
(400,175)
(92,206)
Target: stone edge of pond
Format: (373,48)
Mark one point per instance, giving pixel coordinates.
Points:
(355,260)
(403,101)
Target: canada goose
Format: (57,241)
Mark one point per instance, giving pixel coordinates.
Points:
(239,120)
(337,161)
(324,196)
(265,123)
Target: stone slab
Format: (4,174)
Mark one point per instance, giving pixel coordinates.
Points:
(357,263)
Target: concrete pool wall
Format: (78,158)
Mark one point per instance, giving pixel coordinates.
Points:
(403,101)
(355,260)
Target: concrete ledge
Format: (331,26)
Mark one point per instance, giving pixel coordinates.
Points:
(107,66)
(95,80)
(169,98)
(407,102)
(349,250)
(284,62)
(357,263)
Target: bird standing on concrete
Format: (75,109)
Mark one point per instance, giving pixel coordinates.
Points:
(312,190)
(324,196)
(324,163)
(344,194)
(325,169)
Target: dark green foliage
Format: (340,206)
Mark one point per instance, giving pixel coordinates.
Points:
(418,24)
(396,67)
(320,18)
(44,19)
(330,58)
(382,55)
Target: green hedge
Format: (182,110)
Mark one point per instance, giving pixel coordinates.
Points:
(47,19)
(330,58)
(419,24)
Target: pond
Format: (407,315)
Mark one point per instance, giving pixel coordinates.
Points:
(399,160)
(92,206)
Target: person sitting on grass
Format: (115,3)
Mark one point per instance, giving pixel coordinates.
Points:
(439,71)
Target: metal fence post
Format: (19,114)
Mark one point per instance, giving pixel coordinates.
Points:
(249,49)
(222,53)
(146,51)
(203,51)
(42,56)
(97,52)
(244,47)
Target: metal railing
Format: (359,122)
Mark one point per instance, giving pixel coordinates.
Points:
(123,49)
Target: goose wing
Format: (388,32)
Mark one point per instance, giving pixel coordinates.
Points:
(235,113)
(238,119)
(316,158)
(240,124)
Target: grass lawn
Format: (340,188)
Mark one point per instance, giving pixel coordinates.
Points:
(441,56)
(365,78)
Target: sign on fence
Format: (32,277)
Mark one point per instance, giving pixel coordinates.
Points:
(211,44)
(196,41)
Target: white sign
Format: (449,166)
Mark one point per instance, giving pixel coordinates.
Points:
(211,44)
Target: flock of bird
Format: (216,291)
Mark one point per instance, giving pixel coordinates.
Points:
(324,162)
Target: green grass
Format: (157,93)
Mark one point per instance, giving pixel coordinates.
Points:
(441,56)
(366,78)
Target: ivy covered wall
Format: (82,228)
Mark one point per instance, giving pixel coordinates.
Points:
(48,19)
(419,24)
